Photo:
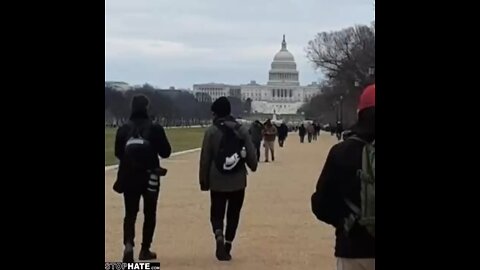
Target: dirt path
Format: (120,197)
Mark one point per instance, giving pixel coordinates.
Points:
(277,229)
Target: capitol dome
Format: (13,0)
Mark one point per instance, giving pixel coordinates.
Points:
(283,69)
(283,56)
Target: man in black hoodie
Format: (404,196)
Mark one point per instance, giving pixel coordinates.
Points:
(282,134)
(339,183)
(302,131)
(255,130)
(134,182)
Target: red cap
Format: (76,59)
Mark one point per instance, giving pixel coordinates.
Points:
(367,99)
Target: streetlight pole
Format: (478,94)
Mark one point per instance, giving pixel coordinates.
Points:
(371,71)
(337,111)
(341,109)
(371,74)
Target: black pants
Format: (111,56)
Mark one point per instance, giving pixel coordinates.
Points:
(132,202)
(257,147)
(302,138)
(281,141)
(310,137)
(219,201)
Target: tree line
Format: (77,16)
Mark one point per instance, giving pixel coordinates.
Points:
(347,58)
(167,107)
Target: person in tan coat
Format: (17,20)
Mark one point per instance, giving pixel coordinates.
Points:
(269,134)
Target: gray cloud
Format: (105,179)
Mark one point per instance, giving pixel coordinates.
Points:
(179,43)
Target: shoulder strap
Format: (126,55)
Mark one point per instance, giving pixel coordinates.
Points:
(366,159)
(355,209)
(140,129)
(356,138)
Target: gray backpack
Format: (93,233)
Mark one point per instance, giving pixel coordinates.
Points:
(365,216)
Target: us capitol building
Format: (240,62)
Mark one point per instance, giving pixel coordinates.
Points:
(283,93)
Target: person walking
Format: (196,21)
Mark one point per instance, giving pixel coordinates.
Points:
(301,132)
(317,130)
(314,131)
(269,134)
(345,191)
(137,146)
(226,148)
(310,131)
(339,130)
(282,134)
(256,129)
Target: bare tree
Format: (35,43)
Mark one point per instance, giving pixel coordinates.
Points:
(344,55)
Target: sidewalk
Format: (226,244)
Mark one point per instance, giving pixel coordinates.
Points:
(277,229)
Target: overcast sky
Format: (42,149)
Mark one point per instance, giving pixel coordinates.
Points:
(182,42)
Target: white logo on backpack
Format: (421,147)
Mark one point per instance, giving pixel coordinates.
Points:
(231,162)
(135,141)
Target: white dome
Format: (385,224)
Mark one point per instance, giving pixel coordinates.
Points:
(283,56)
(283,69)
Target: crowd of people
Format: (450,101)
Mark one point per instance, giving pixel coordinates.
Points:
(228,149)
(268,132)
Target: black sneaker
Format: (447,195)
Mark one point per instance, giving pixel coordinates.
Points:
(146,255)
(228,248)
(220,252)
(128,255)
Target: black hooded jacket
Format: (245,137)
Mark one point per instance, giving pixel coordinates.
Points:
(128,181)
(282,131)
(338,181)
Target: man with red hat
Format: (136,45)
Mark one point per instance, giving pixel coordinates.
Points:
(338,201)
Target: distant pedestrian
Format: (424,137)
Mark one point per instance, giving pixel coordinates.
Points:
(317,129)
(256,129)
(310,131)
(282,134)
(301,132)
(339,130)
(269,134)
(314,131)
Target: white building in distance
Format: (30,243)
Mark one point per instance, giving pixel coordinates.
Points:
(119,86)
(283,93)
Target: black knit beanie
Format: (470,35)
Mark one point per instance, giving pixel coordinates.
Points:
(221,107)
(139,103)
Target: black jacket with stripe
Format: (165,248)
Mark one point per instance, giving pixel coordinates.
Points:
(128,181)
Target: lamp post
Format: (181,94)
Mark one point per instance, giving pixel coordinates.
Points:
(341,109)
(371,74)
(335,107)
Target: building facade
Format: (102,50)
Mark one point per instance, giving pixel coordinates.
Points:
(282,94)
(119,86)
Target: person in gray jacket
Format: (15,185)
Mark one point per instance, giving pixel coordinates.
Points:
(225,189)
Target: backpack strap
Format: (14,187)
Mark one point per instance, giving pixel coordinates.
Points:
(355,209)
(356,138)
(352,218)
(366,164)
(139,130)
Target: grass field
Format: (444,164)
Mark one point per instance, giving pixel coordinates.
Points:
(180,139)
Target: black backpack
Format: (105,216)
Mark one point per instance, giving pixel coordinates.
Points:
(229,157)
(139,154)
